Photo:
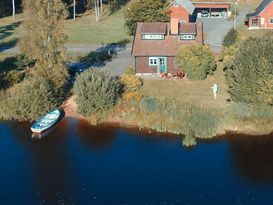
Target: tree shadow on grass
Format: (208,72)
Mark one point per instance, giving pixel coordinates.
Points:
(8,45)
(101,56)
(7,30)
(8,64)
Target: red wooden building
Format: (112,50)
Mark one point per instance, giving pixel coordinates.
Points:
(186,10)
(262,18)
(155,45)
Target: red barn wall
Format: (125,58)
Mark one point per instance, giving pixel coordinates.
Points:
(267,13)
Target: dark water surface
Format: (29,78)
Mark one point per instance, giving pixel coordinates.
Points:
(80,164)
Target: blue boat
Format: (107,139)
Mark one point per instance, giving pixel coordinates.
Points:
(46,121)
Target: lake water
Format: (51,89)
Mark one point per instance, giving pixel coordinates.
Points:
(80,164)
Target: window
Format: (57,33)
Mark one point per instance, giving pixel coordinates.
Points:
(152,61)
(152,36)
(175,4)
(271,21)
(254,22)
(187,37)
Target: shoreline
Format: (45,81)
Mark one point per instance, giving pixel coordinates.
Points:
(70,107)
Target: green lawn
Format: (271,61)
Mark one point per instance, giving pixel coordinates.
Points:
(84,30)
(197,92)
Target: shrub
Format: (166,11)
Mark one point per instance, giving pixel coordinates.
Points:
(231,38)
(95,91)
(22,62)
(149,104)
(131,96)
(130,70)
(8,79)
(28,100)
(197,61)
(228,54)
(250,73)
(130,82)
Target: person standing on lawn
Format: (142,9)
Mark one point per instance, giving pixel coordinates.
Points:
(214,90)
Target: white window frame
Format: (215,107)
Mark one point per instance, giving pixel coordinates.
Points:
(187,37)
(153,61)
(271,20)
(152,37)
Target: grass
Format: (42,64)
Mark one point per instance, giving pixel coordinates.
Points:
(84,30)
(197,92)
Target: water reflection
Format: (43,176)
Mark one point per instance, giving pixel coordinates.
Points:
(96,137)
(50,162)
(135,167)
(253,157)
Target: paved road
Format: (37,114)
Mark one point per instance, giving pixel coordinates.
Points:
(121,56)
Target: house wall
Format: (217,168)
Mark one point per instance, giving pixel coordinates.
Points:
(250,25)
(142,65)
(179,13)
(267,14)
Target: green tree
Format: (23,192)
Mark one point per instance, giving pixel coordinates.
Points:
(250,75)
(145,11)
(44,38)
(95,91)
(231,38)
(196,60)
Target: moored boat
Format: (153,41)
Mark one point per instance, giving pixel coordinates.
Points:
(46,121)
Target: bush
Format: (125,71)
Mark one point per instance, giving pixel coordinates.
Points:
(130,82)
(250,73)
(22,62)
(28,100)
(8,79)
(132,96)
(95,91)
(130,70)
(196,61)
(231,38)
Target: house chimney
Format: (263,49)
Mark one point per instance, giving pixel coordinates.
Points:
(174,26)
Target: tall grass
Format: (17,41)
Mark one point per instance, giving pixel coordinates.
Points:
(172,116)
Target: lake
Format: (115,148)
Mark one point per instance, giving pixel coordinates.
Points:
(80,164)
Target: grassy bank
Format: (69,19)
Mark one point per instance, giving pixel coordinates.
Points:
(187,107)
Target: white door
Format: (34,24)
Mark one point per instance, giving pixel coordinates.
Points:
(262,21)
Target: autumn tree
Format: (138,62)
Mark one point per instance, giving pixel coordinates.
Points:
(250,74)
(44,38)
(196,60)
(145,11)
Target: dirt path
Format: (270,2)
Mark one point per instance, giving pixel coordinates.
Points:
(70,108)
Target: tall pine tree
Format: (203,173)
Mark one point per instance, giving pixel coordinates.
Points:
(44,38)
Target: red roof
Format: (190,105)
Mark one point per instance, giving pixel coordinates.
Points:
(154,28)
(166,47)
(187,28)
